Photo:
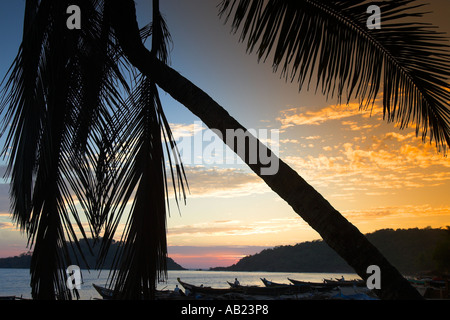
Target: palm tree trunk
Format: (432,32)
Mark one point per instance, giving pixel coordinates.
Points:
(335,230)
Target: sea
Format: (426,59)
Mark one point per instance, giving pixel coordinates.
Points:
(16,282)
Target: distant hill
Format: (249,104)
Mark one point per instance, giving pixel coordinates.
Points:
(20,262)
(409,250)
(24,260)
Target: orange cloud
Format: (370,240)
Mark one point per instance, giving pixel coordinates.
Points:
(355,127)
(425,210)
(222,182)
(235,228)
(303,116)
(388,161)
(7,225)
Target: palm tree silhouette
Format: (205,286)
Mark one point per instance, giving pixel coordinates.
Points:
(72,133)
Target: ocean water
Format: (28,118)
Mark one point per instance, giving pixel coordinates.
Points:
(16,282)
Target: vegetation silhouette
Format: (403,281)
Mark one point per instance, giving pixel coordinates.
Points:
(411,251)
(90,252)
(78,130)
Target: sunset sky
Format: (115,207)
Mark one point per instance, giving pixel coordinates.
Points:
(376,175)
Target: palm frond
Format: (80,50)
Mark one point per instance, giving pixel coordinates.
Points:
(23,107)
(57,103)
(140,261)
(99,77)
(161,38)
(144,248)
(141,180)
(408,59)
(52,205)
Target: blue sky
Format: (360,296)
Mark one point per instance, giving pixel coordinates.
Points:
(376,175)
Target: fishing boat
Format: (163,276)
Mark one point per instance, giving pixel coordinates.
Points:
(245,290)
(345,283)
(7,298)
(11,298)
(208,290)
(269,283)
(313,284)
(427,282)
(331,283)
(431,288)
(107,294)
(273,289)
(234,285)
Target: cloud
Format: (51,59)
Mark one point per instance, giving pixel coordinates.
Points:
(384,152)
(305,116)
(7,225)
(180,130)
(223,182)
(284,141)
(388,161)
(425,210)
(235,228)
(353,126)
(312,138)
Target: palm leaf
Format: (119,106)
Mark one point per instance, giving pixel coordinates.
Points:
(143,250)
(100,77)
(26,109)
(409,60)
(141,179)
(57,103)
(140,261)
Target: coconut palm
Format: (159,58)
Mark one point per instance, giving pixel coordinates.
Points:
(105,147)
(303,33)
(50,98)
(73,144)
